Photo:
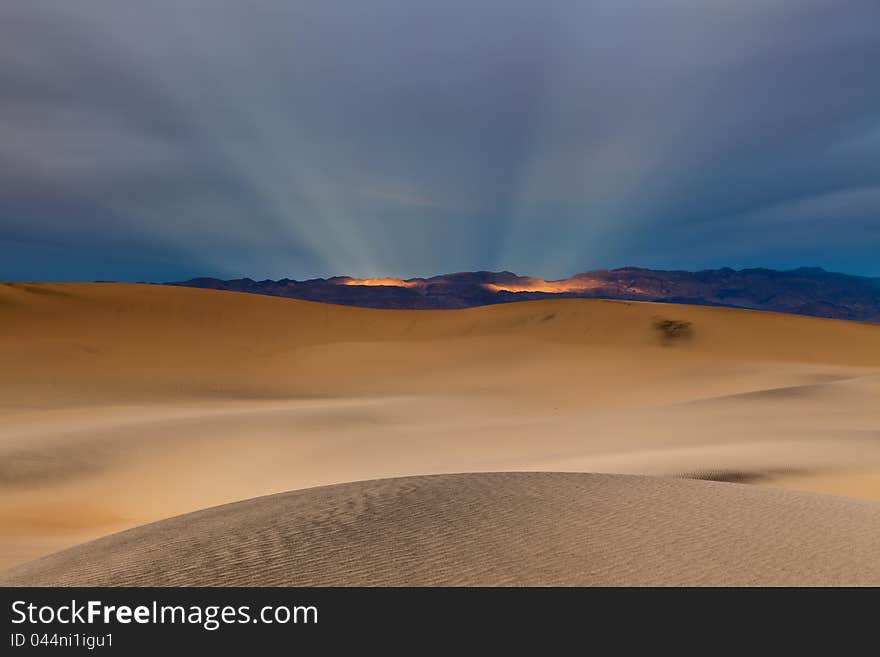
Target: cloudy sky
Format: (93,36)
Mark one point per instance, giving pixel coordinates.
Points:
(269,138)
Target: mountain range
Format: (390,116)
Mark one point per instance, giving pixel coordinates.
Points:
(805,291)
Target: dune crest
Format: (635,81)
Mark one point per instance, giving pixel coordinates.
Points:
(537,529)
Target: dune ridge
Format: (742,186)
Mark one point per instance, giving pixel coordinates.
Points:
(489,529)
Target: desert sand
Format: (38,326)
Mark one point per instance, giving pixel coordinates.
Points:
(491,529)
(122,405)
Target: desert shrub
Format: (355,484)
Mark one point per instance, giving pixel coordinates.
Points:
(673,330)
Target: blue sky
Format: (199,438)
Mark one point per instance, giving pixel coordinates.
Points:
(166,139)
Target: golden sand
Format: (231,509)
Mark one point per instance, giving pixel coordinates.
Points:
(127,404)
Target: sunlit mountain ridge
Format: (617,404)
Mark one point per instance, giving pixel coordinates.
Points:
(806,290)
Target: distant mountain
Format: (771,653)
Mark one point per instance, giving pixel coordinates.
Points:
(804,291)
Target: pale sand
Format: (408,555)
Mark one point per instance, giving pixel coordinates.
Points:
(126,404)
(490,529)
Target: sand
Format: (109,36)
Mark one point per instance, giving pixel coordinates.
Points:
(489,529)
(127,404)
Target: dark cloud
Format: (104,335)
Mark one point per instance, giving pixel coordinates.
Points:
(409,137)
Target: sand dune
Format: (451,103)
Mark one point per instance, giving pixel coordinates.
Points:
(491,529)
(126,404)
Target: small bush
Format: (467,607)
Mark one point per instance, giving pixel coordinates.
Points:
(673,330)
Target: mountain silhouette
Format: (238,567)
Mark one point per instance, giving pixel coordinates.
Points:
(805,291)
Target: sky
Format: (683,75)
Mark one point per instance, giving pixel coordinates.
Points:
(301,138)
